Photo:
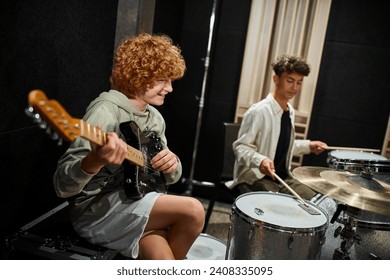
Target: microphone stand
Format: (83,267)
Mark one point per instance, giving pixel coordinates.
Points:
(190,180)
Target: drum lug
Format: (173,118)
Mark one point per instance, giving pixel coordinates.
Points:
(337,231)
(322,240)
(251,230)
(290,243)
(250,233)
(357,239)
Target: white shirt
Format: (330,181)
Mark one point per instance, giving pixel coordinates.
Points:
(258,139)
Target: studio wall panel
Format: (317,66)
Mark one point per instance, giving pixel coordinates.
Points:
(352,102)
(64,48)
(221,83)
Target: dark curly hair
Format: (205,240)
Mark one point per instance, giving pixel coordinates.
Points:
(290,64)
(141,61)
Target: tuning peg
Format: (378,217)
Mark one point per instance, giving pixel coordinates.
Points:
(37,118)
(42,123)
(53,135)
(29,111)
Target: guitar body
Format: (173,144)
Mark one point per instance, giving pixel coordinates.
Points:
(139,180)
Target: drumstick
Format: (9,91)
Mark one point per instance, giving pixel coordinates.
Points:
(352,149)
(290,189)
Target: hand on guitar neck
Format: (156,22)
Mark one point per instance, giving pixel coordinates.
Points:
(114,151)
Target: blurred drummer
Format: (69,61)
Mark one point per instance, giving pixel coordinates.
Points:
(266,141)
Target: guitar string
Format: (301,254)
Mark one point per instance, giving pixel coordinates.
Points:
(99,134)
(149,165)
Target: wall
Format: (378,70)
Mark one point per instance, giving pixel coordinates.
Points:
(351,105)
(188,22)
(352,101)
(64,48)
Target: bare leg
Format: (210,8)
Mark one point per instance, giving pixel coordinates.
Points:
(179,221)
(154,246)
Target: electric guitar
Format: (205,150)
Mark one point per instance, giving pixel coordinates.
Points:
(139,176)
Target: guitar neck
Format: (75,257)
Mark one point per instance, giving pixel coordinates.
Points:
(99,137)
(69,128)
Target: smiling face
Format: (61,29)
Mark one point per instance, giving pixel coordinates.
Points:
(154,95)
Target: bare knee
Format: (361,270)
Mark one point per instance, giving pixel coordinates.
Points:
(195,213)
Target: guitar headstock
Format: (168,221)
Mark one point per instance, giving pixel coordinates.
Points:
(51,115)
(43,111)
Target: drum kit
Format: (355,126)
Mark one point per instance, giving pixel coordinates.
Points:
(348,219)
(359,184)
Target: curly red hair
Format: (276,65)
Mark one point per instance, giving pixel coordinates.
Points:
(141,61)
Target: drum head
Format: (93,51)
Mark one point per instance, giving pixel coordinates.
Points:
(356,155)
(280,210)
(207,247)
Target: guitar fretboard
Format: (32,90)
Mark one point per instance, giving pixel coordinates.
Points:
(99,137)
(92,133)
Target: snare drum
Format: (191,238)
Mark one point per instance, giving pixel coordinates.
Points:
(207,247)
(354,160)
(267,225)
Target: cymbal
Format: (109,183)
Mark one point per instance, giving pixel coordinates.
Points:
(349,188)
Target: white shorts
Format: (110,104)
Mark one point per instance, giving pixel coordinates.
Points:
(116,223)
